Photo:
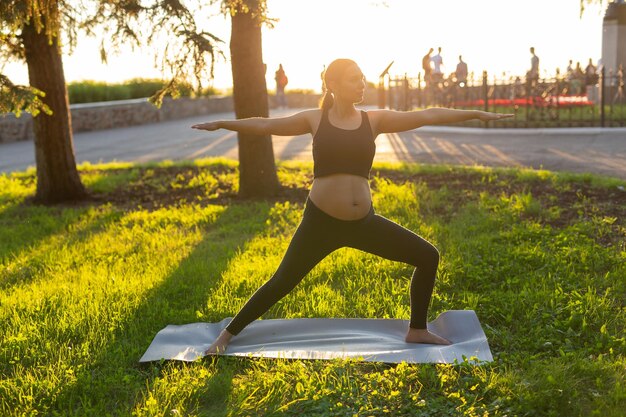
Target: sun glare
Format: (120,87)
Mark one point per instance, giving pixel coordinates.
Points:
(491,35)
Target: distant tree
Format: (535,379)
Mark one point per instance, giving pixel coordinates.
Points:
(35,31)
(583,3)
(257,168)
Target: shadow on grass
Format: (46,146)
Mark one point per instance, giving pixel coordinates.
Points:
(115,382)
(24,226)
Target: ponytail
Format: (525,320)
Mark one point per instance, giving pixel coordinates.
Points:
(327,101)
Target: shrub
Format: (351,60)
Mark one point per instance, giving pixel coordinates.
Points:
(95,91)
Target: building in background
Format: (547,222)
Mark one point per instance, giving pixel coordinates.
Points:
(614,36)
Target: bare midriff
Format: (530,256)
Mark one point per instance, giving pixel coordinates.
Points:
(343,196)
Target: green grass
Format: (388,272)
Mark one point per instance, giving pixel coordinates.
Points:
(539,256)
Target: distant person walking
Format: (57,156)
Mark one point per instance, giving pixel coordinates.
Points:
(591,74)
(281,83)
(437,61)
(426,66)
(533,73)
(570,69)
(461,72)
(591,81)
(578,79)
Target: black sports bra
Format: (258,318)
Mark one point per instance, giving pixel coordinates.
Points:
(341,151)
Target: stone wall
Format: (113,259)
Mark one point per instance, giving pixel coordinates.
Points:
(13,129)
(107,115)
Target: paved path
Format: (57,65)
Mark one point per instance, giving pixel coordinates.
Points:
(601,151)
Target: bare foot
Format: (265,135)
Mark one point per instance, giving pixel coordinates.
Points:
(220,344)
(424,336)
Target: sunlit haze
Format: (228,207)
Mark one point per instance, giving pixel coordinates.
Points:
(494,35)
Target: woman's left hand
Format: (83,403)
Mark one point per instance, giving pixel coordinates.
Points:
(485,116)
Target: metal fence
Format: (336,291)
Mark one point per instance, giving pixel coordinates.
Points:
(558,101)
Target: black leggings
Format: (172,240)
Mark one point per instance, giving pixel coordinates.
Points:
(319,234)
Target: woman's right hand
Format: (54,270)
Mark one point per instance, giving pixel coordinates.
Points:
(210,126)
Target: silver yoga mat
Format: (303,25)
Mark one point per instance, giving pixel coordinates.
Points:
(372,340)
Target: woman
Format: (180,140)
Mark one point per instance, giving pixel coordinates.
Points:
(339,210)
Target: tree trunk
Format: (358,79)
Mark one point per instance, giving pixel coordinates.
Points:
(57,176)
(257,169)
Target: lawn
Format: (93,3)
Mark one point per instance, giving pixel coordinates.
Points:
(539,256)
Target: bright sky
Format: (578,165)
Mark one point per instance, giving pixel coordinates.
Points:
(490,34)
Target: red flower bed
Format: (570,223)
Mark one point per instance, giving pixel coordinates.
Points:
(536,101)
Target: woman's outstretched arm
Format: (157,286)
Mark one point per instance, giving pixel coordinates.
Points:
(296,124)
(390,121)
